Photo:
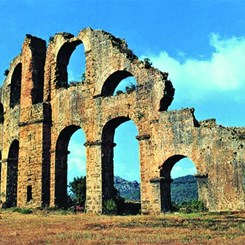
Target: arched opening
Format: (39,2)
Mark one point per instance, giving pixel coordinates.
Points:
(119,82)
(127,85)
(12,174)
(63,148)
(177,182)
(76,66)
(76,170)
(120,163)
(37,89)
(1,113)
(71,64)
(15,86)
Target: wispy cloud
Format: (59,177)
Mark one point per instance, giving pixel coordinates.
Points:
(182,168)
(195,78)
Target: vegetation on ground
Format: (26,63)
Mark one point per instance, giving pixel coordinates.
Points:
(114,205)
(189,207)
(53,227)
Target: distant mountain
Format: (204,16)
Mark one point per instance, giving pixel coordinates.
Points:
(183,189)
(130,190)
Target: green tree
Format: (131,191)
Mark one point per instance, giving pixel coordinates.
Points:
(115,205)
(77,188)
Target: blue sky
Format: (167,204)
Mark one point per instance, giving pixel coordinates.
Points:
(201,43)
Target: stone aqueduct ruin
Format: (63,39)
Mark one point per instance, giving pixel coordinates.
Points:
(39,112)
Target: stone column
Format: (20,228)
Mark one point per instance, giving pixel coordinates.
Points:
(33,122)
(94,177)
(150,197)
(52,178)
(202,185)
(3,180)
(46,162)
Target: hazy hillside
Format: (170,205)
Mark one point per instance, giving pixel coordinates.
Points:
(130,190)
(182,189)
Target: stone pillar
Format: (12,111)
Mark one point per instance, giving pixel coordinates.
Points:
(34,127)
(150,195)
(46,160)
(32,79)
(3,181)
(94,177)
(52,178)
(30,164)
(202,185)
(155,197)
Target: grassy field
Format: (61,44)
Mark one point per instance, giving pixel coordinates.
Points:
(46,227)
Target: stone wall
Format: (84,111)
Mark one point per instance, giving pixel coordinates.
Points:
(41,111)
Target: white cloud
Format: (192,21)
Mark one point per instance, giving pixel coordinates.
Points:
(195,78)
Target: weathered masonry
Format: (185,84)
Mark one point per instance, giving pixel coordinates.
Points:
(40,110)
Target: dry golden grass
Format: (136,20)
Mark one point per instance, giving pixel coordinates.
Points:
(43,227)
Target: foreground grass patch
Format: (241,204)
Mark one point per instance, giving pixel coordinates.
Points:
(45,227)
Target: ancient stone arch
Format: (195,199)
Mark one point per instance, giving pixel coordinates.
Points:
(46,110)
(61,158)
